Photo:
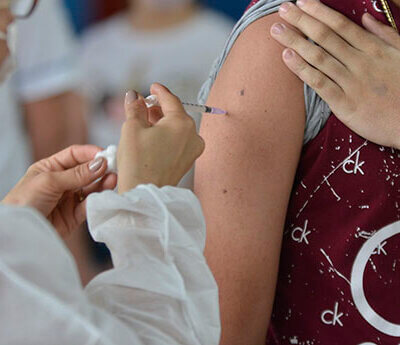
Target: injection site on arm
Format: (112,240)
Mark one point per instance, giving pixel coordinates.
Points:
(245,177)
(152,101)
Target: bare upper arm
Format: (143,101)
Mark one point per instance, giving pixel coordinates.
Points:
(245,176)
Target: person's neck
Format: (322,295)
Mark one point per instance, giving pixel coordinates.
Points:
(144,18)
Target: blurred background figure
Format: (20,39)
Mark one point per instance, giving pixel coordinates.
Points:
(41,113)
(132,44)
(170,41)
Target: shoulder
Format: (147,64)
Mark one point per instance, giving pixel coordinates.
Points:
(264,99)
(255,19)
(260,57)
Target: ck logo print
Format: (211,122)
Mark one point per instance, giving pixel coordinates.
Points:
(300,234)
(332,317)
(353,166)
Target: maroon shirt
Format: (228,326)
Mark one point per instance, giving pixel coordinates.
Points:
(339,279)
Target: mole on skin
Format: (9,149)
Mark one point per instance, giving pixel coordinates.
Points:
(242,92)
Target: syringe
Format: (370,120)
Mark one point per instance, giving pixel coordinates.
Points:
(152,101)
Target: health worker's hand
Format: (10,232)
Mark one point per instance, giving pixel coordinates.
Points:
(157,151)
(58,186)
(355,71)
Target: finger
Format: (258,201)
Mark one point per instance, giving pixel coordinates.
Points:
(318,32)
(135,108)
(78,177)
(70,157)
(109,182)
(384,32)
(313,54)
(64,218)
(155,115)
(170,104)
(329,91)
(70,202)
(336,21)
(201,145)
(80,213)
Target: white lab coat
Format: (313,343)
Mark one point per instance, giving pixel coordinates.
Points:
(160,291)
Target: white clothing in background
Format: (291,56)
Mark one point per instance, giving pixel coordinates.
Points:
(116,58)
(161,290)
(46,66)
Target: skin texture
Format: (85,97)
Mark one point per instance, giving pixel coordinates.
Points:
(352,69)
(245,177)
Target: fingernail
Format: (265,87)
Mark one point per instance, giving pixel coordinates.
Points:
(131,96)
(288,54)
(301,3)
(278,29)
(285,7)
(96,164)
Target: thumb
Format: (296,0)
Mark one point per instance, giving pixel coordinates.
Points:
(384,32)
(80,176)
(135,108)
(170,104)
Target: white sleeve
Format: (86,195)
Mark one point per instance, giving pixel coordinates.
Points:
(46,53)
(160,292)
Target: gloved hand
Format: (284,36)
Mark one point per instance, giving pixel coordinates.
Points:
(158,152)
(58,186)
(354,70)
